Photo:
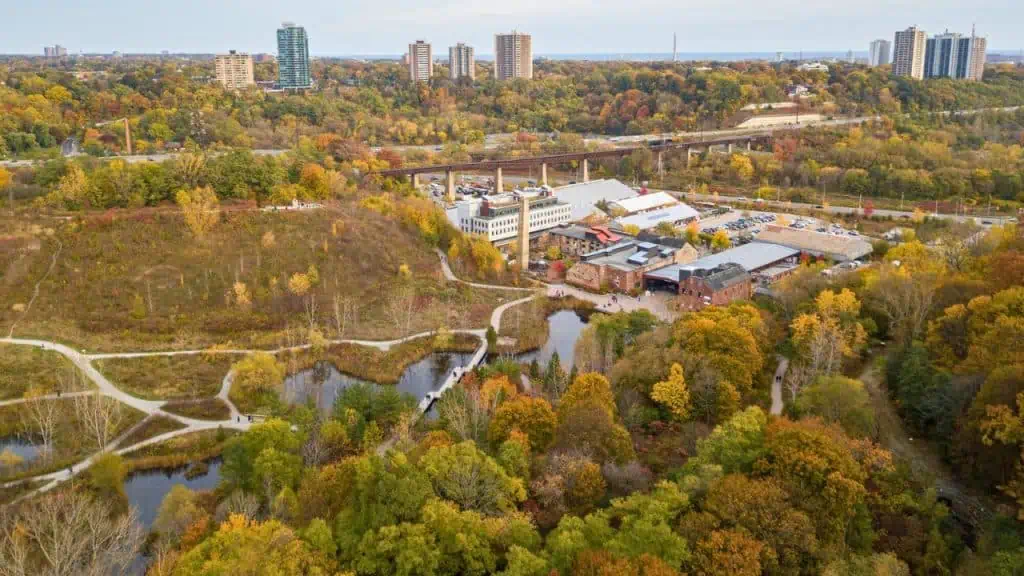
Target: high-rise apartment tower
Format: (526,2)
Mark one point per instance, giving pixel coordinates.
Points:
(293,57)
(421,61)
(879,53)
(234,70)
(461,63)
(513,56)
(908,53)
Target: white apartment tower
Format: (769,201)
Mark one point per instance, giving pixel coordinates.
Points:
(234,70)
(908,53)
(879,53)
(421,61)
(460,62)
(974,66)
(513,56)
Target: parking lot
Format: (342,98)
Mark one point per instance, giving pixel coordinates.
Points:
(737,223)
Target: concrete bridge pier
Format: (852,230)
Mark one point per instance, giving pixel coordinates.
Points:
(661,165)
(499,186)
(729,147)
(689,157)
(586,170)
(416,181)
(544,174)
(450,186)
(748,145)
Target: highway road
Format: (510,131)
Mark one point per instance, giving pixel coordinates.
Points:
(773,206)
(134,159)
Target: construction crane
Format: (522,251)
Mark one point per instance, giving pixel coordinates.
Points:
(127,132)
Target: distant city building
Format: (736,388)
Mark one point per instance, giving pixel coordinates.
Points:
(778,57)
(813,67)
(973,66)
(234,70)
(908,53)
(952,55)
(513,56)
(421,62)
(56,51)
(293,57)
(880,52)
(850,58)
(461,63)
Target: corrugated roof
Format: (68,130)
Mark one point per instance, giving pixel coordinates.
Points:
(648,220)
(646,202)
(832,245)
(584,196)
(750,257)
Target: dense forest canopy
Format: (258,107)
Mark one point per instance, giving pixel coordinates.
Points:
(373,102)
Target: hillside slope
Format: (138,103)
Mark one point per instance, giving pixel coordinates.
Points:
(141,280)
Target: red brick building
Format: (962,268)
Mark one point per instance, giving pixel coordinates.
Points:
(713,287)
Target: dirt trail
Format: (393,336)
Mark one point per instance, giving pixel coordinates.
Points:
(968,505)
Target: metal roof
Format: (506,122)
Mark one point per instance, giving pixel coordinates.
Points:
(834,246)
(751,257)
(648,220)
(646,202)
(584,196)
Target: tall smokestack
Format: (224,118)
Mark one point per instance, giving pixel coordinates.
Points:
(524,233)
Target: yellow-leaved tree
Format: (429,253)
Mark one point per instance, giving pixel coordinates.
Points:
(200,208)
(829,334)
(673,394)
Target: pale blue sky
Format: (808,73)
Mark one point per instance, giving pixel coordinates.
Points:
(558,26)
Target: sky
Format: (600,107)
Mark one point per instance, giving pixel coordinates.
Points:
(386,27)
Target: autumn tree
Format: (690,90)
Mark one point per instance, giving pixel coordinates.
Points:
(673,394)
(258,373)
(67,534)
(727,553)
(829,335)
(242,546)
(531,416)
(473,480)
(5,184)
(200,208)
(720,241)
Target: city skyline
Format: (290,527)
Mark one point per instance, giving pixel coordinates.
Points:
(646,26)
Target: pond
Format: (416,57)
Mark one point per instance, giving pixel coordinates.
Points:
(564,328)
(146,490)
(323,381)
(27,450)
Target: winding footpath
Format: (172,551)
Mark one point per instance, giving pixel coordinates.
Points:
(236,420)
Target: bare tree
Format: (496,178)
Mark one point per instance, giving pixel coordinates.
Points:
(310,306)
(41,418)
(67,534)
(906,299)
(99,418)
(238,503)
(344,312)
(400,307)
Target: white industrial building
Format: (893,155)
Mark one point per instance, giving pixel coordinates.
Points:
(645,203)
(496,217)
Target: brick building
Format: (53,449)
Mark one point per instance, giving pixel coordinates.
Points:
(579,240)
(713,286)
(621,267)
